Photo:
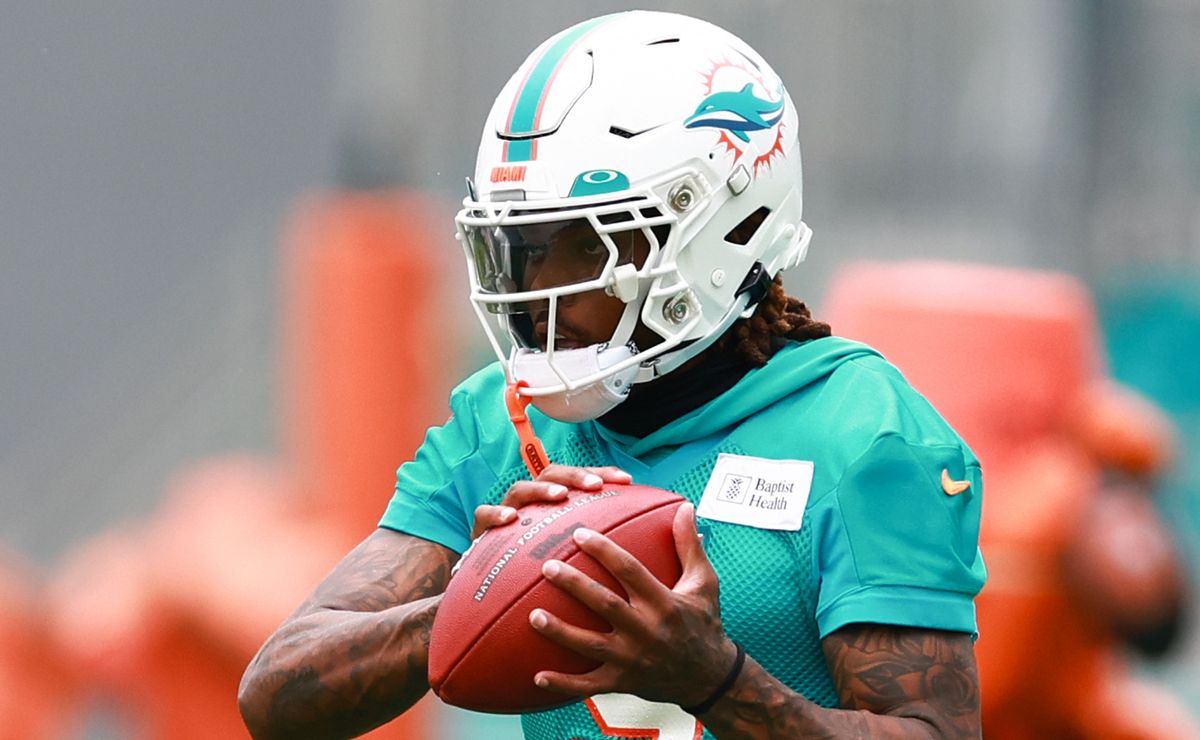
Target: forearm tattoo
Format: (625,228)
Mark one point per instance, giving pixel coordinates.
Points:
(878,668)
(892,682)
(355,654)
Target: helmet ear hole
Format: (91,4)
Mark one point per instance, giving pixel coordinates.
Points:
(748,227)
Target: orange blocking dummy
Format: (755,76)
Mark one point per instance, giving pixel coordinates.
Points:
(164,614)
(38,696)
(1079,567)
(370,347)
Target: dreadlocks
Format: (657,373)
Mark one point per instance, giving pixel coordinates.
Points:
(779,316)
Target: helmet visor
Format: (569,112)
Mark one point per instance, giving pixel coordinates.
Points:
(548,256)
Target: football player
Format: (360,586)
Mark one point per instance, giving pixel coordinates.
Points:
(636,195)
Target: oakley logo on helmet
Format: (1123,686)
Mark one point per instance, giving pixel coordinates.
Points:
(595,182)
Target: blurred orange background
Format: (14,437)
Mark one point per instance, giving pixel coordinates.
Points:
(233,303)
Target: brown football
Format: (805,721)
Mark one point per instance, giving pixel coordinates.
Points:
(483,654)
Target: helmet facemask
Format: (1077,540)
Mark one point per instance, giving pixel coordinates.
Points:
(529,261)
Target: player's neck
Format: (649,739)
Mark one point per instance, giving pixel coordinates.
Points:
(655,404)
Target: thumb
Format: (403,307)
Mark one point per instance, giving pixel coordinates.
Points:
(689,545)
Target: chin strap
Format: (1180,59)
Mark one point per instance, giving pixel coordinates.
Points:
(532,451)
(756,284)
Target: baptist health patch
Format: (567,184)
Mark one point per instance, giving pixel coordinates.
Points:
(756,492)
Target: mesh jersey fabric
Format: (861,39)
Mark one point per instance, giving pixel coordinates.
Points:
(879,542)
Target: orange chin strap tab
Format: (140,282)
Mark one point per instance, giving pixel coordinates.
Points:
(532,451)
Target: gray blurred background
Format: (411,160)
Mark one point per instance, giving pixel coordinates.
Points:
(149,152)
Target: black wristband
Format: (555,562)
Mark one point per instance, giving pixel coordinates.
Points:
(726,685)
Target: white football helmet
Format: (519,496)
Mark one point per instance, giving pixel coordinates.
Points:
(648,155)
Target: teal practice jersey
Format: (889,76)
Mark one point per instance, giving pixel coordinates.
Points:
(828,490)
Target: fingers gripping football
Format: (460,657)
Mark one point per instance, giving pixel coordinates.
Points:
(665,645)
(698,576)
(551,485)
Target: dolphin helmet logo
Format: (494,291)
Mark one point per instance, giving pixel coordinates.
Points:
(737,112)
(746,122)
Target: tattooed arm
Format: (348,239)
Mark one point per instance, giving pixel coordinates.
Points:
(355,654)
(893,682)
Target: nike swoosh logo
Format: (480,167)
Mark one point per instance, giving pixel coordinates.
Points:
(953,487)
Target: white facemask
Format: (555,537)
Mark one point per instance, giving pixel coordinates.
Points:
(586,402)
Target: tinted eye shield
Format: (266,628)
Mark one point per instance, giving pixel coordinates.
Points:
(521,264)
(521,259)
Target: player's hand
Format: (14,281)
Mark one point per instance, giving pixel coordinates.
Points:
(666,644)
(552,485)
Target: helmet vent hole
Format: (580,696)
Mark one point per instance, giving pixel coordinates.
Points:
(663,41)
(618,217)
(745,231)
(622,132)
